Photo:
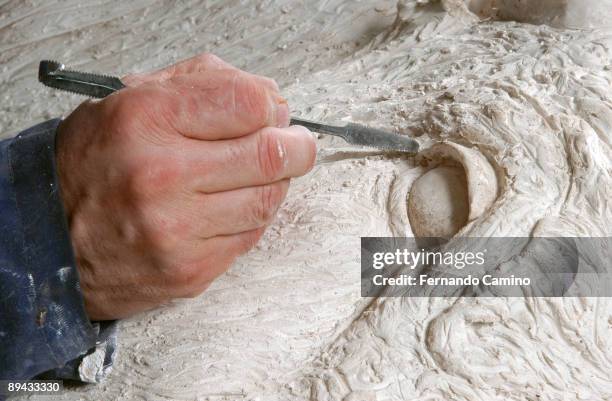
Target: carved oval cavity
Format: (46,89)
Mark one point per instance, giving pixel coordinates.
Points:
(459,187)
(438,202)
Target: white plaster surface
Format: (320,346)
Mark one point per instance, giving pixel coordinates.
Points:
(533,98)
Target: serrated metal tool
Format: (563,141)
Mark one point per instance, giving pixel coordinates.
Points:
(55,75)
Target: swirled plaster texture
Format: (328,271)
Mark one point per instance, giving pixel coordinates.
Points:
(527,88)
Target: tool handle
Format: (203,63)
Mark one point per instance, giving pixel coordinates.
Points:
(99,85)
(55,75)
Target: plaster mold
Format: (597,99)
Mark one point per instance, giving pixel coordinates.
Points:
(523,105)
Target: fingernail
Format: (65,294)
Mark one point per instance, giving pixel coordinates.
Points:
(308,147)
(282,113)
(298,129)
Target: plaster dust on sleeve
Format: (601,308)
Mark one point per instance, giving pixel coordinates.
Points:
(520,101)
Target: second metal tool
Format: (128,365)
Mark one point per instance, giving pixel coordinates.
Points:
(55,75)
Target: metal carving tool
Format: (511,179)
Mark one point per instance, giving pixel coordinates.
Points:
(55,75)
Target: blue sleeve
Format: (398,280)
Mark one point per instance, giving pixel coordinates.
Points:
(43,325)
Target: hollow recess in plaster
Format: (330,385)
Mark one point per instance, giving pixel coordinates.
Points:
(459,187)
(438,202)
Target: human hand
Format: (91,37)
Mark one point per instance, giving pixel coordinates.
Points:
(167,181)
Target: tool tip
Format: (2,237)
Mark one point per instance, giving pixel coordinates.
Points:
(409,145)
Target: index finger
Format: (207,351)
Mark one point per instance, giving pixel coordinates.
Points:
(198,64)
(220,104)
(201,63)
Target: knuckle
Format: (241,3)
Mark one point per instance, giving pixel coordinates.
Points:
(143,110)
(251,97)
(269,198)
(270,85)
(271,154)
(207,59)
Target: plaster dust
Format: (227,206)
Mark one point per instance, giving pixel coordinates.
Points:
(524,100)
